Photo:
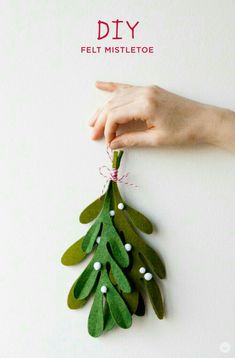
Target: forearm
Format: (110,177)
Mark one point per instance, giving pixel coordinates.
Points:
(223,134)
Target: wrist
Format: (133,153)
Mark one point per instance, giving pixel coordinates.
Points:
(223,134)
(212,125)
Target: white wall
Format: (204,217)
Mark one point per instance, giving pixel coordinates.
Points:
(49,172)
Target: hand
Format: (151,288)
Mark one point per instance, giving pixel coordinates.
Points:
(170,119)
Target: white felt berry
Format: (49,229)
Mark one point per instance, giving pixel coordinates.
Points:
(97,266)
(112,213)
(148,276)
(128,247)
(142,270)
(98,239)
(103,289)
(120,206)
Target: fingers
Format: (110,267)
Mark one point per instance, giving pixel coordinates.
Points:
(109,86)
(115,118)
(110,119)
(106,119)
(94,117)
(138,138)
(107,124)
(99,125)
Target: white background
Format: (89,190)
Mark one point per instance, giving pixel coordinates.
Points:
(49,173)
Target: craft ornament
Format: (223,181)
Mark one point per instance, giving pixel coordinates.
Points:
(123,266)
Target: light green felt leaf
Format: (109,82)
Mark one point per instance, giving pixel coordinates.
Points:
(96,318)
(139,220)
(90,237)
(109,322)
(74,254)
(119,277)
(155,297)
(74,303)
(85,282)
(152,259)
(92,211)
(118,308)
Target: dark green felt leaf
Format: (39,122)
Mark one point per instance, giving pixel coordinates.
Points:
(139,220)
(85,282)
(90,237)
(74,254)
(118,309)
(155,297)
(109,322)
(131,300)
(152,259)
(96,318)
(140,311)
(74,303)
(92,211)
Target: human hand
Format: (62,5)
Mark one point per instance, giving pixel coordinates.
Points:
(170,119)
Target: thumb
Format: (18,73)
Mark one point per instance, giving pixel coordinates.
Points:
(132,139)
(109,86)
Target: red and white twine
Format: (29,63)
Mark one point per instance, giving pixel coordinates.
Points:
(112,174)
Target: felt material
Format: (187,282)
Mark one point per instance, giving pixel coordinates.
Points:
(74,303)
(139,220)
(142,255)
(118,249)
(96,316)
(90,237)
(92,211)
(119,277)
(119,269)
(117,307)
(132,300)
(74,254)
(155,297)
(151,259)
(108,234)
(109,322)
(85,282)
(140,311)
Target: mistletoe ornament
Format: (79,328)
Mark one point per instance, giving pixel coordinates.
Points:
(123,266)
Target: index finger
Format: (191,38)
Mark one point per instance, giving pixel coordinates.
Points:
(110,86)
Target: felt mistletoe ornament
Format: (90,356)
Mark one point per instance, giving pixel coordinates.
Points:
(123,266)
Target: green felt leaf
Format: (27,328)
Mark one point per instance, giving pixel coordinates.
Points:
(85,282)
(74,254)
(74,303)
(152,259)
(109,322)
(155,297)
(118,308)
(139,220)
(96,318)
(90,237)
(117,248)
(131,300)
(92,211)
(119,277)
